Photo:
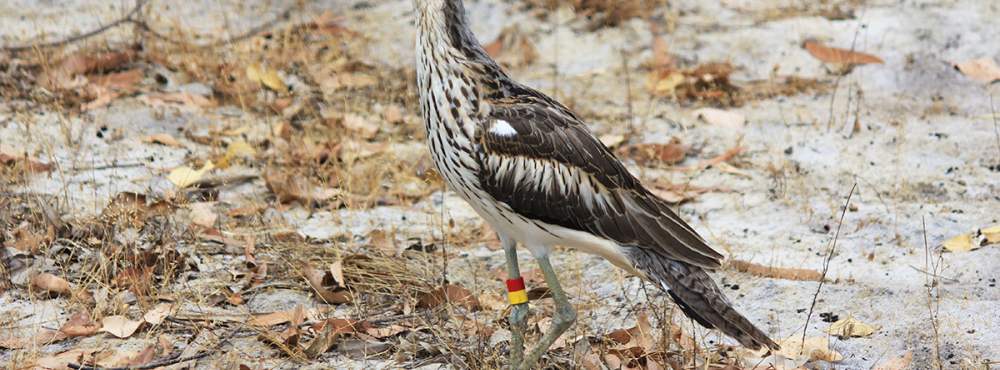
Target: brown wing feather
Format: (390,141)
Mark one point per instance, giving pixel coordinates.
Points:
(554,170)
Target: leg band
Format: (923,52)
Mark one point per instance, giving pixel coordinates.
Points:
(515,291)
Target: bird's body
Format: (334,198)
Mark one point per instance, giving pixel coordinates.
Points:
(531,168)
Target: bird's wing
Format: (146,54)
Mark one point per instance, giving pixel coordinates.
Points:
(545,164)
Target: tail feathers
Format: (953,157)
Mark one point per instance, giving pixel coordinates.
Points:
(699,298)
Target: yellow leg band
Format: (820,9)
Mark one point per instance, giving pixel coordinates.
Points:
(518,296)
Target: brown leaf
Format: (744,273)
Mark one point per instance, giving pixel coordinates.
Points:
(898,363)
(454,293)
(386,331)
(327,286)
(290,189)
(22,162)
(157,314)
(80,325)
(27,241)
(342,326)
(656,153)
(119,81)
(721,158)
(839,56)
(323,342)
(120,326)
(786,273)
(144,357)
(512,48)
(271,319)
(63,359)
(661,51)
(51,284)
(163,139)
(982,70)
(361,126)
(61,77)
(40,338)
(83,63)
(202,214)
(851,327)
(188,100)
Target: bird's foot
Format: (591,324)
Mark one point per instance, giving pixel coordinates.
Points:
(564,316)
(518,325)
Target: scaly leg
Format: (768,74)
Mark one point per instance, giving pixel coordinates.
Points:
(519,312)
(564,317)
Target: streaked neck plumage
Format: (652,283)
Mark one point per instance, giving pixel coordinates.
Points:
(451,70)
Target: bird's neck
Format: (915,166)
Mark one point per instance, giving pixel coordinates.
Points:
(451,70)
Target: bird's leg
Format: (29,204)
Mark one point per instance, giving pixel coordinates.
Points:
(564,317)
(518,318)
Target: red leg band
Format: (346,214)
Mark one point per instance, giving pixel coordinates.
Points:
(514,285)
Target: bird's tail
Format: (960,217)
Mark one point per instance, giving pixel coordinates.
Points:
(700,298)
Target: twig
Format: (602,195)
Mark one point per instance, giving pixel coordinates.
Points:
(126,19)
(931,308)
(152,365)
(284,15)
(996,127)
(936,276)
(110,166)
(826,261)
(787,273)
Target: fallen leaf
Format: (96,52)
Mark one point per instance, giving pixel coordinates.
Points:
(721,158)
(202,214)
(326,285)
(992,234)
(61,77)
(647,154)
(40,338)
(63,359)
(51,284)
(24,163)
(186,99)
(162,139)
(236,150)
(267,77)
(271,319)
(27,241)
(158,313)
(812,349)
(838,56)
(512,48)
(143,357)
(668,84)
(120,326)
(323,342)
(773,272)
(289,189)
(898,363)
(80,325)
(386,331)
(851,327)
(184,176)
(612,140)
(982,70)
(720,117)
(454,293)
(360,125)
(119,81)
(960,243)
(337,273)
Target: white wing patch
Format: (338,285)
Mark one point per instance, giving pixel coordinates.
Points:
(503,128)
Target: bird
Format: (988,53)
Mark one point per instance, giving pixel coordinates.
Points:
(531,168)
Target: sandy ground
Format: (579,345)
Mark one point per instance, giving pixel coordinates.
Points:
(925,151)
